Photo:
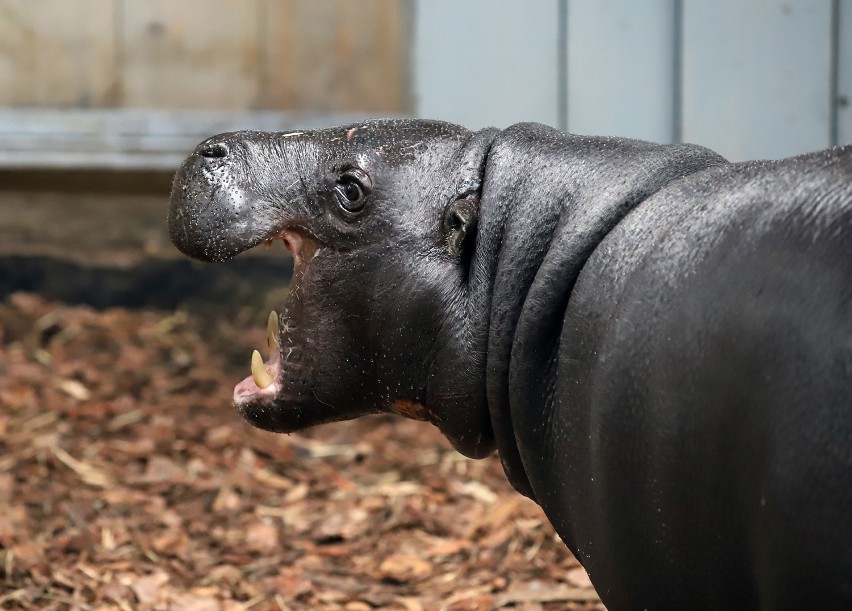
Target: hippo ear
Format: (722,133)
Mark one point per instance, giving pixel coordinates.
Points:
(459,226)
(462,214)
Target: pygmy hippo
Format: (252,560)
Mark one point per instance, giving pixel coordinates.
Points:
(658,343)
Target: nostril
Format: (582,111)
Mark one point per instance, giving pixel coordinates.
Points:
(216,150)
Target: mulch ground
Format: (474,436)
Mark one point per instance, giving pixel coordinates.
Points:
(128,482)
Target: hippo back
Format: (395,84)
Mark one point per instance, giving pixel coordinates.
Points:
(693,410)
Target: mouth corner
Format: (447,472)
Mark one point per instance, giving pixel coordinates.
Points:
(301,244)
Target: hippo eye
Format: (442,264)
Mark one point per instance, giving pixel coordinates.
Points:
(351,190)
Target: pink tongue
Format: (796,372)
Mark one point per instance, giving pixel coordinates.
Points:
(245,388)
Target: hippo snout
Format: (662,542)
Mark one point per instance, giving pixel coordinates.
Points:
(220,203)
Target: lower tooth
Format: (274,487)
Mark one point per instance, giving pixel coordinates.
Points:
(262,378)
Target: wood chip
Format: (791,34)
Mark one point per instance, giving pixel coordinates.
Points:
(74,389)
(545,594)
(87,473)
(146,490)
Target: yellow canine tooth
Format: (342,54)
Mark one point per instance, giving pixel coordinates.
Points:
(262,378)
(272,330)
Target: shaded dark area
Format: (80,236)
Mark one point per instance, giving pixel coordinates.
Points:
(149,182)
(163,284)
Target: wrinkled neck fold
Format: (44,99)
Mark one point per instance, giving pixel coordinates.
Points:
(549,199)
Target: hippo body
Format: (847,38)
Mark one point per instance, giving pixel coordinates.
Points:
(657,342)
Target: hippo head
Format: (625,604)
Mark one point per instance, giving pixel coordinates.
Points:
(380,218)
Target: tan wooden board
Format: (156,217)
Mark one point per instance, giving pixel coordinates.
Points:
(199,54)
(337,55)
(57,53)
(333,55)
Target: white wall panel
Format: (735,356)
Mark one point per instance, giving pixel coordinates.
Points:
(486,62)
(749,78)
(844,73)
(757,76)
(621,68)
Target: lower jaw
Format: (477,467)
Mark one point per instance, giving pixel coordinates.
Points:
(262,416)
(281,415)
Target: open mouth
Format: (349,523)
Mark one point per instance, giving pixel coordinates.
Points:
(266,380)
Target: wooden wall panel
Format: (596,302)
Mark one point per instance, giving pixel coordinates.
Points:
(336,55)
(202,54)
(757,78)
(57,53)
(328,56)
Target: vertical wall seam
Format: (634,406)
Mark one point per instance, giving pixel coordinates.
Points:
(117,54)
(562,65)
(409,32)
(677,71)
(411,102)
(834,76)
(264,91)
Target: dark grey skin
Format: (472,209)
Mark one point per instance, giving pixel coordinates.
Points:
(657,342)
